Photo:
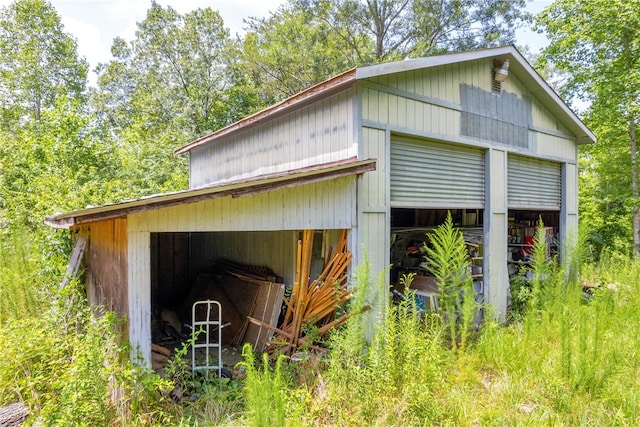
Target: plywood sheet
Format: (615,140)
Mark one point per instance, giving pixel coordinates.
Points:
(267,310)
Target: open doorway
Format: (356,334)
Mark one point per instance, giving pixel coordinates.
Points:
(248,273)
(243,271)
(521,234)
(409,228)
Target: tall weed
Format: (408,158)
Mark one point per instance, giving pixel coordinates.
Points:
(67,366)
(448,261)
(393,379)
(264,390)
(19,266)
(571,359)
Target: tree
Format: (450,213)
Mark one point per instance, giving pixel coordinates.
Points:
(50,158)
(291,50)
(597,42)
(38,62)
(413,28)
(306,41)
(173,83)
(55,164)
(175,71)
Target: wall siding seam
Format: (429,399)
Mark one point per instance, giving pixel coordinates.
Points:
(551,132)
(451,139)
(412,96)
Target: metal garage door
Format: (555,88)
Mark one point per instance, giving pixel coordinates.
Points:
(533,183)
(431,174)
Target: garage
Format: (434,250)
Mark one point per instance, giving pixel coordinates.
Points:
(383,151)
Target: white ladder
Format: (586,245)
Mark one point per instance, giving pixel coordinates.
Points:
(211,325)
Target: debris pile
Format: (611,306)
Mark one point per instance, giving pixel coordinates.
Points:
(311,310)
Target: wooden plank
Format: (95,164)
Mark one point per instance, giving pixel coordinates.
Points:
(73,267)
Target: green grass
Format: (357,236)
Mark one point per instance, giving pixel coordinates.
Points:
(18,276)
(566,358)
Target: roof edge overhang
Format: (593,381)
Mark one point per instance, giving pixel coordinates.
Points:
(519,66)
(239,188)
(321,90)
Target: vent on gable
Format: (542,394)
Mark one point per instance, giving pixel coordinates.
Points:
(496,86)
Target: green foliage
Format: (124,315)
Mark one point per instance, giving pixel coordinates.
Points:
(67,367)
(384,30)
(544,269)
(38,62)
(291,50)
(176,81)
(566,358)
(173,78)
(391,380)
(65,364)
(18,286)
(55,164)
(305,42)
(221,402)
(264,390)
(594,42)
(50,158)
(448,261)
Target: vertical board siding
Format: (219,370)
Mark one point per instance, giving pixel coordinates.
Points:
(108,265)
(324,205)
(545,119)
(504,119)
(555,146)
(496,278)
(318,133)
(569,210)
(139,258)
(373,204)
(274,249)
(374,184)
(514,118)
(570,195)
(374,242)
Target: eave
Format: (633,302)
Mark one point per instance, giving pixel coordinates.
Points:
(239,188)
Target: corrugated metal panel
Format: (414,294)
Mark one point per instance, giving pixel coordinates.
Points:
(317,133)
(431,174)
(246,187)
(533,183)
(320,90)
(321,205)
(276,249)
(139,291)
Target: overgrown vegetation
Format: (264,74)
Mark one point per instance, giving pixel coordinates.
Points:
(448,262)
(568,358)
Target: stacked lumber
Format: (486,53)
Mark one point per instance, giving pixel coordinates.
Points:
(313,304)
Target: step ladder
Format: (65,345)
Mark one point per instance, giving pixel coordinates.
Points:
(207,317)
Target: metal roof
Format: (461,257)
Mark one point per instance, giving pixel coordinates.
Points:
(518,67)
(299,100)
(249,186)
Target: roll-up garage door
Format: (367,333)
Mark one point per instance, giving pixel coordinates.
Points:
(533,183)
(432,174)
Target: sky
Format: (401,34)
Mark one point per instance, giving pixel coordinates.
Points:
(95,23)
